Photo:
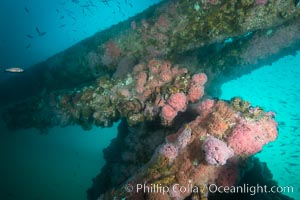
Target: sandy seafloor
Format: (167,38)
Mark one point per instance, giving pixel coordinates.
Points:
(60,165)
(276,87)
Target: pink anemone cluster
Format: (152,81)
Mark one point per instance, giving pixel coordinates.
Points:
(248,137)
(176,103)
(216,151)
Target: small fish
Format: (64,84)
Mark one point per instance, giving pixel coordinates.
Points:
(283,153)
(288,170)
(105,2)
(297,3)
(62,17)
(281,123)
(62,26)
(90,11)
(71,15)
(283,102)
(296,119)
(29,36)
(293,164)
(57,10)
(26,10)
(39,32)
(130,5)
(28,46)
(14,70)
(91,3)
(69,11)
(42,33)
(294,128)
(75,1)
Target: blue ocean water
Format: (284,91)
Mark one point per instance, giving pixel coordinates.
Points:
(276,87)
(60,165)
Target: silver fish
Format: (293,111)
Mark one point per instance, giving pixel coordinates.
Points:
(14,70)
